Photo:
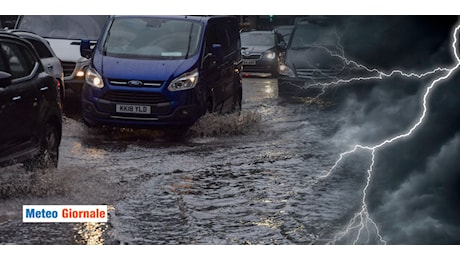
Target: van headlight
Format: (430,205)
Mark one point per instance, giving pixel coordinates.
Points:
(185,81)
(93,78)
(286,71)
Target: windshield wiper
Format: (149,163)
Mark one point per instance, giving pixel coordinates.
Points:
(189,41)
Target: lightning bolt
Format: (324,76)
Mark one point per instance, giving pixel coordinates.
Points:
(376,73)
(362,222)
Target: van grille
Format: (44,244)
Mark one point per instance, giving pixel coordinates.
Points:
(144,83)
(135,97)
(68,68)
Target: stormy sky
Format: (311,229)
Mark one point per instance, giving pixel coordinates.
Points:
(415,193)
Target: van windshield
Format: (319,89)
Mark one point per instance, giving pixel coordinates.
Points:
(160,38)
(311,35)
(75,27)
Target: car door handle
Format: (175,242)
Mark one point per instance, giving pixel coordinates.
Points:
(44,89)
(16,98)
(50,66)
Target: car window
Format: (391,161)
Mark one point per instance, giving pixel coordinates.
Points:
(233,32)
(212,36)
(224,40)
(225,33)
(41,48)
(20,61)
(257,39)
(314,35)
(4,65)
(279,38)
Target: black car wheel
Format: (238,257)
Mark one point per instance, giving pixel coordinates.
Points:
(49,150)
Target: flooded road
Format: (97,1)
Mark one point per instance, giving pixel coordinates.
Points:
(249,178)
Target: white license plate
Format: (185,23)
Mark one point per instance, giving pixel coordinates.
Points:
(249,62)
(132,109)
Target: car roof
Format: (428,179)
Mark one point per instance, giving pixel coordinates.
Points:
(316,20)
(197,18)
(284,27)
(31,35)
(258,32)
(11,36)
(22,33)
(7,34)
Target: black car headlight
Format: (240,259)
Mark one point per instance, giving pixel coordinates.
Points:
(286,71)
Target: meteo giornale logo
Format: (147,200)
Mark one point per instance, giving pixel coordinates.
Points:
(64,213)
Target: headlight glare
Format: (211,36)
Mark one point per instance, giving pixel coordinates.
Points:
(185,81)
(286,71)
(270,55)
(93,78)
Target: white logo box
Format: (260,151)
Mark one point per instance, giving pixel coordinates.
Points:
(64,213)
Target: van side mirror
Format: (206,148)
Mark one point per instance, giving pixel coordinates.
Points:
(85,48)
(5,79)
(218,52)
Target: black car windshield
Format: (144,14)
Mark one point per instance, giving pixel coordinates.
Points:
(141,37)
(74,27)
(257,39)
(311,35)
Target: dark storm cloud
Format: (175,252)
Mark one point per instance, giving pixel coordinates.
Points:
(417,181)
(415,192)
(424,208)
(370,120)
(408,42)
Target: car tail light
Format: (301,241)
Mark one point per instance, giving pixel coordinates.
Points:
(58,84)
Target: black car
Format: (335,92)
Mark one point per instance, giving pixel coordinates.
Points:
(30,115)
(261,51)
(314,60)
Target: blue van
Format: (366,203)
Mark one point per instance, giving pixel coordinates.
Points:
(149,71)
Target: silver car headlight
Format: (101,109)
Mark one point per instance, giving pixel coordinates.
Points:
(185,81)
(270,55)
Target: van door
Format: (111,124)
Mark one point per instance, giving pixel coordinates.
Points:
(211,74)
(234,86)
(220,76)
(227,68)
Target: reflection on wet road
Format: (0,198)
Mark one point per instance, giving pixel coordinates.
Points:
(249,178)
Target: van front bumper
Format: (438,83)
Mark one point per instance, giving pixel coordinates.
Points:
(184,115)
